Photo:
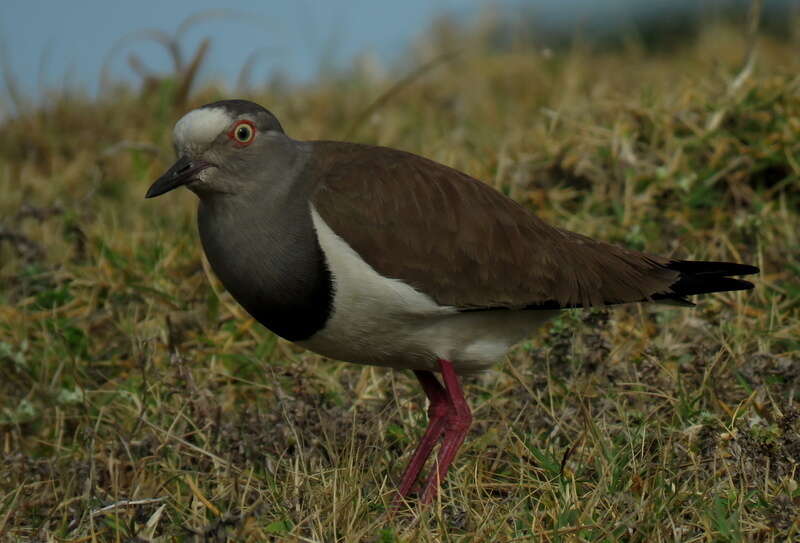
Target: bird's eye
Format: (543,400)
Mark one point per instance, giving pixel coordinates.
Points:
(243,132)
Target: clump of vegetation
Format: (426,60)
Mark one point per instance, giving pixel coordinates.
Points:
(138,402)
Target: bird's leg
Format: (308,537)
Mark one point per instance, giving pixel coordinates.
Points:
(437,412)
(449,416)
(456,427)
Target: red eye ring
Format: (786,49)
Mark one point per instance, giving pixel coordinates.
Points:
(243,133)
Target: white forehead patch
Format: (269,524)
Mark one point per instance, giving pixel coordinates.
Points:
(200,126)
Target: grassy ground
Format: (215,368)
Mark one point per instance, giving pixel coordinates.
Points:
(139,403)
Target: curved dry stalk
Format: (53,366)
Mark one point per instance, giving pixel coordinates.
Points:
(395,89)
(215,14)
(44,63)
(243,80)
(184,73)
(138,67)
(162,38)
(10,81)
(188,75)
(753,23)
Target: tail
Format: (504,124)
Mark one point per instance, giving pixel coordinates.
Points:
(699,277)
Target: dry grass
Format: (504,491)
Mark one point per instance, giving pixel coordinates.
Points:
(138,403)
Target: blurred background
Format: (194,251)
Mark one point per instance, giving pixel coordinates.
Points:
(50,46)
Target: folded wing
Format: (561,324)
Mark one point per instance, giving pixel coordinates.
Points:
(468,246)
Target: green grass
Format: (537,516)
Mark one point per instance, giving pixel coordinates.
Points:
(137,400)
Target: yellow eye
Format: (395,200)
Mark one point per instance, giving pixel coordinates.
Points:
(243,132)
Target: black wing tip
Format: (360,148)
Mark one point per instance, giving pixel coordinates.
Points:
(690,285)
(732,284)
(708,267)
(705,276)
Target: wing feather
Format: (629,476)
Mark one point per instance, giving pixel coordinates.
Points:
(465,244)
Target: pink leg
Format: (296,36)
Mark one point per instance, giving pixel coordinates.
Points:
(437,412)
(449,416)
(456,428)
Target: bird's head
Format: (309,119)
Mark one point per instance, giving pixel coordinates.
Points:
(226,147)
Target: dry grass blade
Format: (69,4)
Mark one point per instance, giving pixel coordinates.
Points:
(10,81)
(162,38)
(243,81)
(190,73)
(185,73)
(125,503)
(753,23)
(217,15)
(395,89)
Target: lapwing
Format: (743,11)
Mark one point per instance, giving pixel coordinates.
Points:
(378,256)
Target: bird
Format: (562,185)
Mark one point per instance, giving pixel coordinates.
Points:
(378,256)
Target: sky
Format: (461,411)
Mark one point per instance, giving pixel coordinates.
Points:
(50,43)
(57,44)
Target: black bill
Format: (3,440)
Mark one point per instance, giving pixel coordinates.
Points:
(182,172)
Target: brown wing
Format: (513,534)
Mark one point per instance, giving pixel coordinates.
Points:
(465,244)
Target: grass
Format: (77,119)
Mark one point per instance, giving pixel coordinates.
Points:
(139,403)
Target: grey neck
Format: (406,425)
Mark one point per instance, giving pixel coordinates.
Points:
(264,249)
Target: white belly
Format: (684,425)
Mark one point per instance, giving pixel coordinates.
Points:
(382,321)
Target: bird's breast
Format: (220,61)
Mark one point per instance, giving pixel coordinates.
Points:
(274,268)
